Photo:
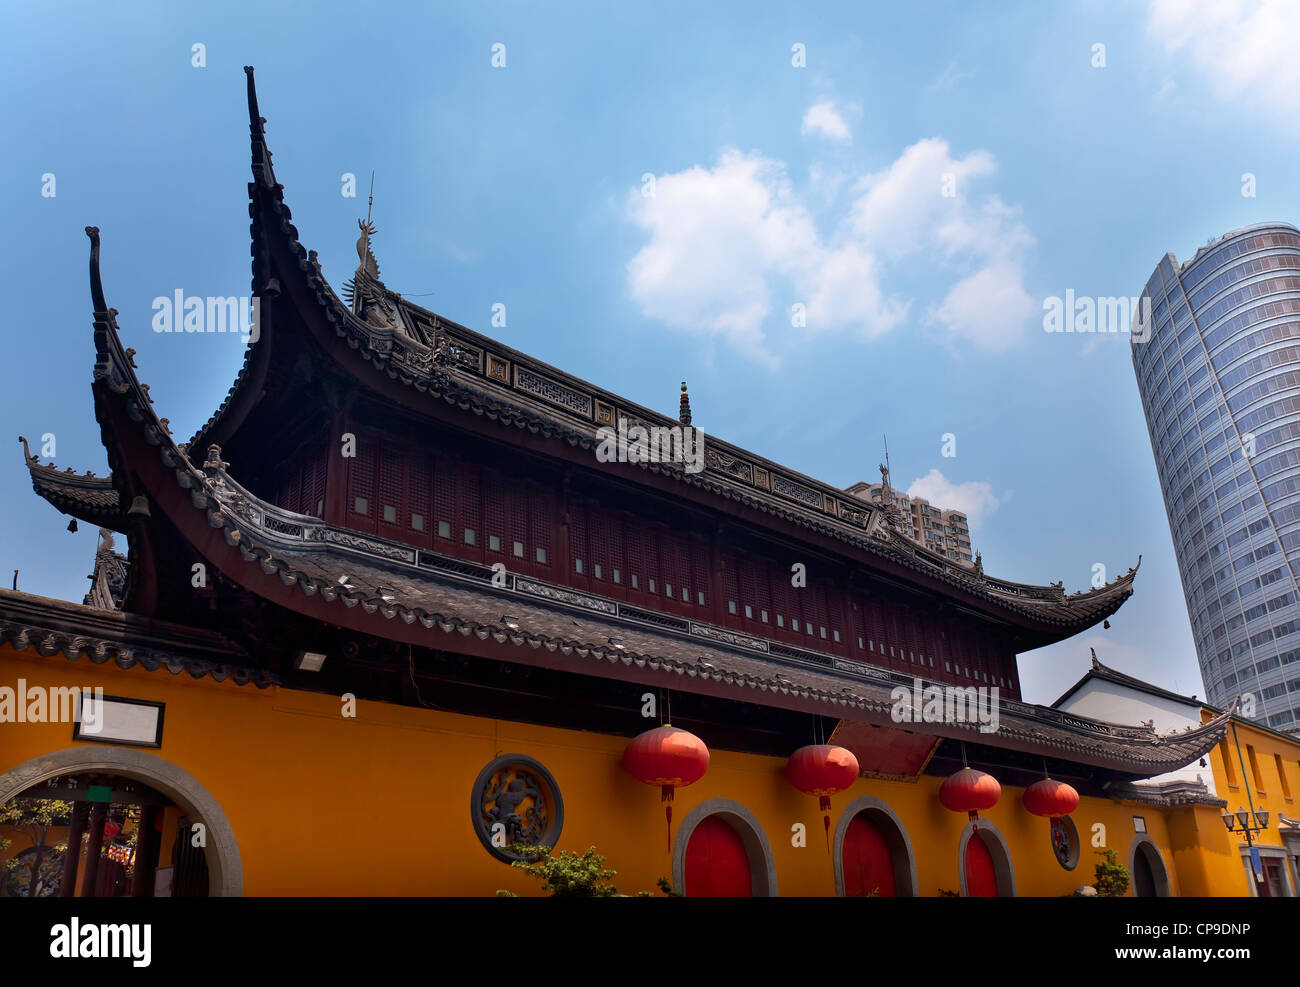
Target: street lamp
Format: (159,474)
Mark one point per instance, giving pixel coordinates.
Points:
(1243,817)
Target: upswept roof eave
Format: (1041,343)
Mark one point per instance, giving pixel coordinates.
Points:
(1045,610)
(86,497)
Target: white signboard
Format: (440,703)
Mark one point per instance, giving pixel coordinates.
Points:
(112,720)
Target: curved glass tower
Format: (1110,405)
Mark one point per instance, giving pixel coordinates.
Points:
(1219,376)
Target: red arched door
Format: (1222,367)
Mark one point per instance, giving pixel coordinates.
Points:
(981,879)
(717,865)
(867,861)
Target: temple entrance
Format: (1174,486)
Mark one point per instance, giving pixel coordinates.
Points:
(873,856)
(101,820)
(867,861)
(985,862)
(1147,870)
(96,835)
(717,865)
(721,851)
(981,879)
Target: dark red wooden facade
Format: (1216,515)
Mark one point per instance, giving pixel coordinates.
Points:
(440,493)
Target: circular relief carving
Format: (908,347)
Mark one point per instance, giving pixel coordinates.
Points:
(1065,842)
(515,800)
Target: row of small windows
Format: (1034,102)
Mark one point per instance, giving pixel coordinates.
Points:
(1226,252)
(469,536)
(1234,275)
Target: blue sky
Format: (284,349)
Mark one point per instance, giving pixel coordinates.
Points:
(774,185)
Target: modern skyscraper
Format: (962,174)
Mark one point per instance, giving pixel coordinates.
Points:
(1219,377)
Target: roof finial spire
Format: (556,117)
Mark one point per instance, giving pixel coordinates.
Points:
(684,415)
(368,264)
(887,495)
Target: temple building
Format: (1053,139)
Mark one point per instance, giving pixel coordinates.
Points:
(391,579)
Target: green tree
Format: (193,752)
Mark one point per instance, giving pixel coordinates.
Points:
(571,875)
(1112,876)
(34,818)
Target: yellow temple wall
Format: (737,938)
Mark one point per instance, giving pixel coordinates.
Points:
(379,804)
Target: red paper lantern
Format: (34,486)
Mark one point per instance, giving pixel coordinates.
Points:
(111,829)
(1050,798)
(669,758)
(969,791)
(822,770)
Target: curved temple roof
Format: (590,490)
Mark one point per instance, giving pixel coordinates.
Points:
(449,363)
(87,497)
(400,593)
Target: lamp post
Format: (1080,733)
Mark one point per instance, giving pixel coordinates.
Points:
(1250,822)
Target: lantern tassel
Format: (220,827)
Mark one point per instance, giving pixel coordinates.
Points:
(825,804)
(666,796)
(974,818)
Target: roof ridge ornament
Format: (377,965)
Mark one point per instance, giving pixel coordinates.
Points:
(684,415)
(888,508)
(370,299)
(214,464)
(262,169)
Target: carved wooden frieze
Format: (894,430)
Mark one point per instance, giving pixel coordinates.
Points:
(728,464)
(552,391)
(729,637)
(796,491)
(348,540)
(566,596)
(461,353)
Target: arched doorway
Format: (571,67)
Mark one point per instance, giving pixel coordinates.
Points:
(981,878)
(146,779)
(984,862)
(721,850)
(717,865)
(873,855)
(1147,874)
(868,864)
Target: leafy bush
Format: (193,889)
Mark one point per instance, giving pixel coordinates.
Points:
(1112,876)
(571,875)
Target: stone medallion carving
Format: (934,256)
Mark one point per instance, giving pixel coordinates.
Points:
(515,800)
(1065,842)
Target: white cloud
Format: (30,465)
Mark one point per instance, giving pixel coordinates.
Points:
(975,498)
(732,247)
(989,307)
(825,120)
(1242,49)
(716,235)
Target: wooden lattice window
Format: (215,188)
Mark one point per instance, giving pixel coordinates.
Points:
(361,485)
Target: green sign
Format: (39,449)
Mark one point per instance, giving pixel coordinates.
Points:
(99,793)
